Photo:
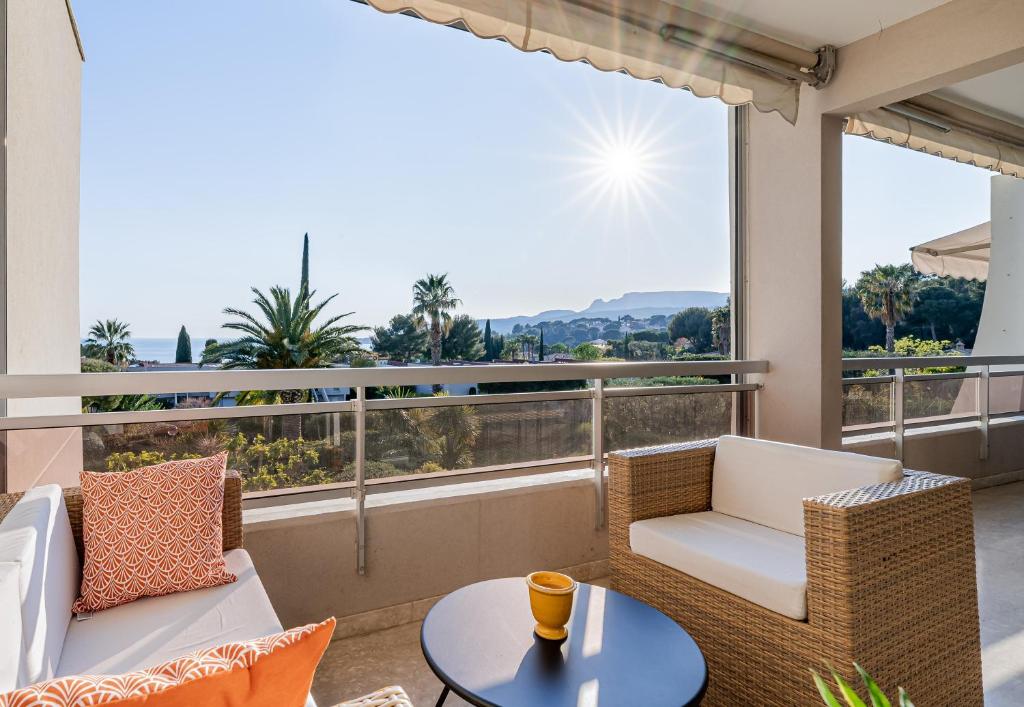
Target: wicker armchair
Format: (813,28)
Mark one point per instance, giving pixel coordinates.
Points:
(890,584)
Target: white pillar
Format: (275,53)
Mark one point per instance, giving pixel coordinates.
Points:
(1001,329)
(793,293)
(39,331)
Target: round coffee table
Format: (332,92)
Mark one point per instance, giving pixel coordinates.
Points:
(479,641)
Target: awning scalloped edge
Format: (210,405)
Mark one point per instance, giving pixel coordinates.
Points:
(700,74)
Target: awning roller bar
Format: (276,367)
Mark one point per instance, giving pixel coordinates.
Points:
(817,73)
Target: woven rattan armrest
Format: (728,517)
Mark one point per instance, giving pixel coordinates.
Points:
(907,543)
(868,498)
(660,481)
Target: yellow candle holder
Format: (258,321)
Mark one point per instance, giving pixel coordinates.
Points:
(551,596)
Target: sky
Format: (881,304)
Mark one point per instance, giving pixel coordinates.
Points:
(214,135)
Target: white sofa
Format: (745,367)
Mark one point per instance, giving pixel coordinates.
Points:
(39,580)
(751,542)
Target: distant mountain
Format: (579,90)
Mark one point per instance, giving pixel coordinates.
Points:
(639,305)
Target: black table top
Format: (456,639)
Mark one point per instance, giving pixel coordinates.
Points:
(479,641)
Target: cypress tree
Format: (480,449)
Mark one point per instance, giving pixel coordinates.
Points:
(304,281)
(488,343)
(540,355)
(183,354)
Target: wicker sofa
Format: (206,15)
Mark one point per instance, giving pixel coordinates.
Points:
(889,578)
(40,571)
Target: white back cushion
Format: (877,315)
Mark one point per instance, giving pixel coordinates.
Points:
(765,482)
(36,536)
(10,626)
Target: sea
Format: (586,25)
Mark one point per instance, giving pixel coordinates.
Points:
(163,350)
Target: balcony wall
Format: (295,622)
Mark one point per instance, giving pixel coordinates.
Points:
(954,449)
(421,544)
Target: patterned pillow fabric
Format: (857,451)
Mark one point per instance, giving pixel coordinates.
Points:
(152,531)
(274,671)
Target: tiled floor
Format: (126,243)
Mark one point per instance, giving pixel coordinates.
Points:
(999,537)
(355,666)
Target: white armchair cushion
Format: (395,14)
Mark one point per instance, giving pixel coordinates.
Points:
(36,536)
(759,564)
(10,626)
(765,482)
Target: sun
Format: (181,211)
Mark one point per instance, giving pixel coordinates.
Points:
(618,169)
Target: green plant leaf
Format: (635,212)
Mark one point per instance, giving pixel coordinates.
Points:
(904,700)
(826,693)
(849,694)
(878,698)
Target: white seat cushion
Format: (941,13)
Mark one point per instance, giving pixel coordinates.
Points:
(153,630)
(36,536)
(765,482)
(759,564)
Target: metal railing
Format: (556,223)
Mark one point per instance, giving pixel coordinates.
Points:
(13,387)
(980,369)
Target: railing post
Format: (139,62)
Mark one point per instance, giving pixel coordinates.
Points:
(336,429)
(984,380)
(359,408)
(898,411)
(597,447)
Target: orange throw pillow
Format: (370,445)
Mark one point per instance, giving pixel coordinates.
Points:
(274,671)
(152,531)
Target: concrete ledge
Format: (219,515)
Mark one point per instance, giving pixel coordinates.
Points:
(289,510)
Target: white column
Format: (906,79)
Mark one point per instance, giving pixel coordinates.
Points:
(1001,329)
(40,334)
(794,273)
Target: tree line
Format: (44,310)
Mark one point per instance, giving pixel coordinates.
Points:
(889,302)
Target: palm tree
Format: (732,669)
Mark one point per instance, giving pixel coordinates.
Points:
(434,299)
(285,336)
(109,340)
(887,293)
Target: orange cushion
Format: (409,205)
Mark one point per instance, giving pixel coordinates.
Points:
(152,531)
(273,671)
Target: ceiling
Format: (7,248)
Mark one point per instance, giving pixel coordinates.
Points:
(812,23)
(999,94)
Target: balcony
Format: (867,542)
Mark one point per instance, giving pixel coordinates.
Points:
(376,501)
(376,547)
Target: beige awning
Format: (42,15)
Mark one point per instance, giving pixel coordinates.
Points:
(945,129)
(963,254)
(648,39)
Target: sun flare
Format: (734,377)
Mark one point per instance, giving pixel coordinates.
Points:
(621,166)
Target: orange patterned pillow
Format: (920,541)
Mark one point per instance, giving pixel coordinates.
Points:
(274,671)
(152,531)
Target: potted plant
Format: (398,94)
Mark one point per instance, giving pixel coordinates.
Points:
(852,699)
